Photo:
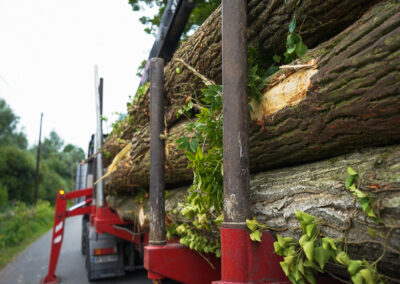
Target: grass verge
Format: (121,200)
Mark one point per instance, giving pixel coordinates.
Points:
(20,226)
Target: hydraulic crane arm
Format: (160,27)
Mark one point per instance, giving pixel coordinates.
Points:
(173,22)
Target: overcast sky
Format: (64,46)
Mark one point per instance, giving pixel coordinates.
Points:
(47,52)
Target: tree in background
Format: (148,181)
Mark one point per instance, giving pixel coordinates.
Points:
(8,128)
(17,163)
(58,166)
(17,173)
(201,11)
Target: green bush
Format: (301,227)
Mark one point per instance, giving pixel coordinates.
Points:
(17,173)
(21,222)
(3,196)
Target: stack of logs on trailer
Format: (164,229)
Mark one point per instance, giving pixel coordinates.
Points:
(337,106)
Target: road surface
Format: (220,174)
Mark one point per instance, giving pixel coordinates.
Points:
(32,264)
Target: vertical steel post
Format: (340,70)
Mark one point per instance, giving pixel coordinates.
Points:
(234,250)
(98,141)
(157,153)
(235,109)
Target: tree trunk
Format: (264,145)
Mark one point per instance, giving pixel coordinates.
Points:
(318,189)
(345,98)
(268,23)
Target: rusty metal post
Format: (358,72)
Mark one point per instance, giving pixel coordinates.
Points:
(236,113)
(157,153)
(234,235)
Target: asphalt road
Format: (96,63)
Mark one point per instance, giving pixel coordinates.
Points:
(32,264)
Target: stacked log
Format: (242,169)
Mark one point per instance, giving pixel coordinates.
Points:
(337,106)
(318,189)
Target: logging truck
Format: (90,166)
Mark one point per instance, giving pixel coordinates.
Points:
(334,108)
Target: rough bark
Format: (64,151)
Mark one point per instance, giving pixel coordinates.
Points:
(352,101)
(347,100)
(267,27)
(116,141)
(318,189)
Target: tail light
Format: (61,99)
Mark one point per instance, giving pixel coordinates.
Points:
(104,251)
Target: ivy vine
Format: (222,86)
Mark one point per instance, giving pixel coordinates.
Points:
(304,258)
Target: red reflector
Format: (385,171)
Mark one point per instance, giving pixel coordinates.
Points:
(103,251)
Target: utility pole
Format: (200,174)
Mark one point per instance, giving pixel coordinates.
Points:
(38,161)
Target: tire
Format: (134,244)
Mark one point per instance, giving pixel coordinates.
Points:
(87,254)
(84,233)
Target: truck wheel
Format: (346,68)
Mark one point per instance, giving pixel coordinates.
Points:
(87,254)
(84,233)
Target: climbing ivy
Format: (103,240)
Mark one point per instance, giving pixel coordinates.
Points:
(304,258)
(312,252)
(364,199)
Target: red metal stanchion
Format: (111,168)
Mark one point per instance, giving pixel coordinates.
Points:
(57,238)
(242,260)
(61,213)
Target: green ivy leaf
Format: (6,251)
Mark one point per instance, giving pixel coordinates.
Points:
(359,193)
(351,172)
(278,249)
(301,49)
(292,279)
(256,236)
(290,251)
(288,240)
(308,219)
(298,276)
(364,203)
(354,266)
(252,224)
(309,275)
(219,220)
(276,58)
(328,242)
(303,226)
(357,279)
(311,230)
(282,241)
(322,256)
(309,250)
(367,275)
(325,243)
(290,41)
(285,267)
(291,50)
(349,181)
(352,187)
(289,260)
(343,258)
(303,240)
(300,266)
